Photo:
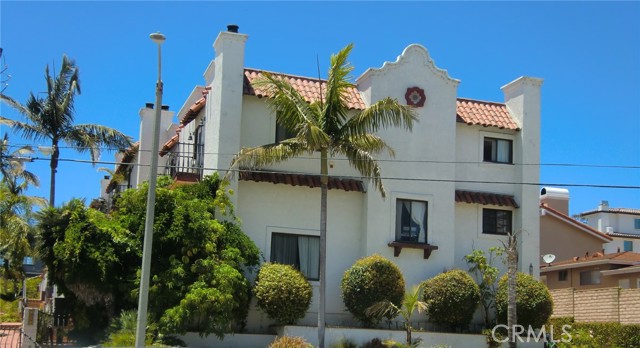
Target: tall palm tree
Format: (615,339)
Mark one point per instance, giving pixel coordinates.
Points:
(325,126)
(511,249)
(52,118)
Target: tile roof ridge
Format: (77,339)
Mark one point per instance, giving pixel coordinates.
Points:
(481,101)
(292,75)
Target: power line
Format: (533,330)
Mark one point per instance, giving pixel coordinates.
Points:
(610,186)
(577,165)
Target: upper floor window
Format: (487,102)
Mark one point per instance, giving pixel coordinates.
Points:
(301,252)
(411,221)
(628,245)
(590,278)
(563,275)
(636,224)
(495,221)
(283,134)
(498,150)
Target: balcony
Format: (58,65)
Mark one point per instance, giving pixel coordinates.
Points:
(185,163)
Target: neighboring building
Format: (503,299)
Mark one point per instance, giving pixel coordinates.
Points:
(454,186)
(594,271)
(621,224)
(562,235)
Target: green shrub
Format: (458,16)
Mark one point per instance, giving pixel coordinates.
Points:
(282,292)
(533,301)
(452,298)
(289,342)
(370,280)
(613,335)
(344,343)
(374,343)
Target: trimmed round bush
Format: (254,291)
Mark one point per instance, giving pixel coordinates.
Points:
(452,298)
(370,280)
(290,342)
(533,301)
(282,292)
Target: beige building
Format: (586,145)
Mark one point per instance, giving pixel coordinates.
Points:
(594,271)
(560,234)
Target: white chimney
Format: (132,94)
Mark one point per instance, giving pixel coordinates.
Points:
(604,205)
(147,116)
(556,198)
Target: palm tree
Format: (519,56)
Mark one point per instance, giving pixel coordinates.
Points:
(511,249)
(52,118)
(410,303)
(324,126)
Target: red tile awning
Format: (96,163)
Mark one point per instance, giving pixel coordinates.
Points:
(486,198)
(302,180)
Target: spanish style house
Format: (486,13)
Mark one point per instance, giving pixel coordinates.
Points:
(455,184)
(621,224)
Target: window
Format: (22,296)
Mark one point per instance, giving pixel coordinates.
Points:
(589,277)
(496,221)
(636,224)
(411,221)
(302,252)
(624,283)
(628,245)
(28,260)
(198,150)
(562,275)
(283,134)
(498,150)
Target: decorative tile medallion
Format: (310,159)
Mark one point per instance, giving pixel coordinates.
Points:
(415,96)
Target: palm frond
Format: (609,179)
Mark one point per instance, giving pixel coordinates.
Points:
(370,143)
(335,103)
(14,105)
(384,308)
(384,113)
(266,155)
(90,137)
(363,162)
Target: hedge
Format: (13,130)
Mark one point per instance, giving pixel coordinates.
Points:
(452,298)
(282,292)
(610,334)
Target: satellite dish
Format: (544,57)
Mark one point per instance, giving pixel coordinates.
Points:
(548,258)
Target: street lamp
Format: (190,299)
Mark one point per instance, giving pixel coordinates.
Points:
(143,296)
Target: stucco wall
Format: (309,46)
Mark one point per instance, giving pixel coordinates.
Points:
(565,241)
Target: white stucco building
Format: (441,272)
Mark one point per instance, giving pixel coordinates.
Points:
(621,224)
(454,185)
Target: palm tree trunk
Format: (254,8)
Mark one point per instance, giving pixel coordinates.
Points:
(324,186)
(54,168)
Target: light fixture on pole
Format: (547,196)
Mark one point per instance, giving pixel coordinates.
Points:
(143,296)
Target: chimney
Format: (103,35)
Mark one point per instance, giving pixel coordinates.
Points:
(147,119)
(232,28)
(556,198)
(603,206)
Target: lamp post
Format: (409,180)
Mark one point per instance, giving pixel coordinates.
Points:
(143,296)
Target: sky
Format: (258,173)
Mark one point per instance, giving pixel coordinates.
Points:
(588,54)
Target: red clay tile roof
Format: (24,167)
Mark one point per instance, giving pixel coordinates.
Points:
(310,89)
(624,235)
(128,157)
(302,180)
(624,257)
(193,111)
(560,215)
(169,145)
(613,211)
(483,113)
(485,198)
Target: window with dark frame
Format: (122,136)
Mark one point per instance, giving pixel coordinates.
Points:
(282,133)
(198,148)
(590,278)
(636,224)
(300,251)
(563,275)
(495,221)
(498,150)
(628,245)
(411,221)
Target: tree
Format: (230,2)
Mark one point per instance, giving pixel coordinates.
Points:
(52,118)
(198,269)
(486,275)
(511,249)
(533,300)
(325,126)
(410,303)
(452,297)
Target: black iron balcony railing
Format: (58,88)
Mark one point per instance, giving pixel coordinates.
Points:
(186,160)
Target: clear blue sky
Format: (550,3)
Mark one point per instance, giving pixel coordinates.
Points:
(587,52)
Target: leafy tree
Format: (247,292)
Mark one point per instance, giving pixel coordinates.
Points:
(371,280)
(325,126)
(198,262)
(486,275)
(52,118)
(411,302)
(282,292)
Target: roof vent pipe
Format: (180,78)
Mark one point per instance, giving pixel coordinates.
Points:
(232,28)
(149,105)
(165,107)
